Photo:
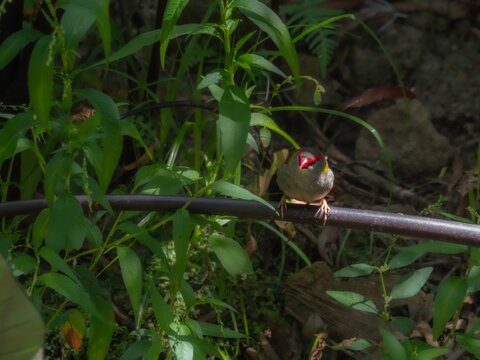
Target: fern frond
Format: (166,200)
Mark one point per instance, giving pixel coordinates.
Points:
(323,41)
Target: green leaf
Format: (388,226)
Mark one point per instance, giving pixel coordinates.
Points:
(448,299)
(163,312)
(40,80)
(253,60)
(411,284)
(473,279)
(132,273)
(30,174)
(393,350)
(355,270)
(430,354)
(52,257)
(354,300)
(259,119)
(108,157)
(11,132)
(237,192)
(65,228)
(76,21)
(158,180)
(23,264)
(233,124)
(56,172)
(12,45)
(469,343)
(208,329)
(408,255)
(99,9)
(210,79)
(21,328)
(269,22)
(136,350)
(173,10)
(68,288)
(182,231)
(232,256)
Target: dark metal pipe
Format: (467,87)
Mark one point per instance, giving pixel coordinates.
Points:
(415,226)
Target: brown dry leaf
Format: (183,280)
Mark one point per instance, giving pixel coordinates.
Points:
(73,329)
(252,245)
(377,94)
(425,330)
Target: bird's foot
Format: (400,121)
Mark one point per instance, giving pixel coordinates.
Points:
(323,211)
(282,205)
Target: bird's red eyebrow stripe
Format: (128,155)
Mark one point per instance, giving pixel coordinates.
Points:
(304,162)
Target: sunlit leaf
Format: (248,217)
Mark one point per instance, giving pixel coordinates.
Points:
(355,270)
(354,300)
(411,284)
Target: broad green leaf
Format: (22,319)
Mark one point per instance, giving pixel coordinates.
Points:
(21,326)
(182,231)
(100,331)
(448,299)
(259,119)
(12,45)
(40,227)
(233,124)
(65,228)
(132,273)
(237,192)
(411,284)
(22,264)
(183,350)
(99,9)
(469,343)
(51,256)
(210,79)
(403,324)
(354,300)
(136,350)
(159,180)
(393,350)
(76,21)
(40,80)
(431,354)
(156,347)
(232,256)
(268,21)
(353,344)
(100,315)
(163,312)
(11,132)
(112,141)
(408,255)
(56,172)
(473,279)
(253,60)
(68,288)
(355,270)
(173,10)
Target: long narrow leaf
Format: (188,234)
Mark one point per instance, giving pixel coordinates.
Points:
(268,21)
(132,274)
(12,45)
(173,10)
(40,80)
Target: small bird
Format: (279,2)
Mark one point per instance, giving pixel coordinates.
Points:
(307,177)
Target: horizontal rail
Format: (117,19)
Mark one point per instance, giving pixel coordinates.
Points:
(414,226)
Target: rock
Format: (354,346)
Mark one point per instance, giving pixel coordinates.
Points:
(414,144)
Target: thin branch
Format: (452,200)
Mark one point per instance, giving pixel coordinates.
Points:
(415,226)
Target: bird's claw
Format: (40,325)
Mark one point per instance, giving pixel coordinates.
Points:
(282,206)
(323,211)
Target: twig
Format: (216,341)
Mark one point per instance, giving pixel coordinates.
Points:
(407,225)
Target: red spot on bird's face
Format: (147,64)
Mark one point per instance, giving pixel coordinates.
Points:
(306,160)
